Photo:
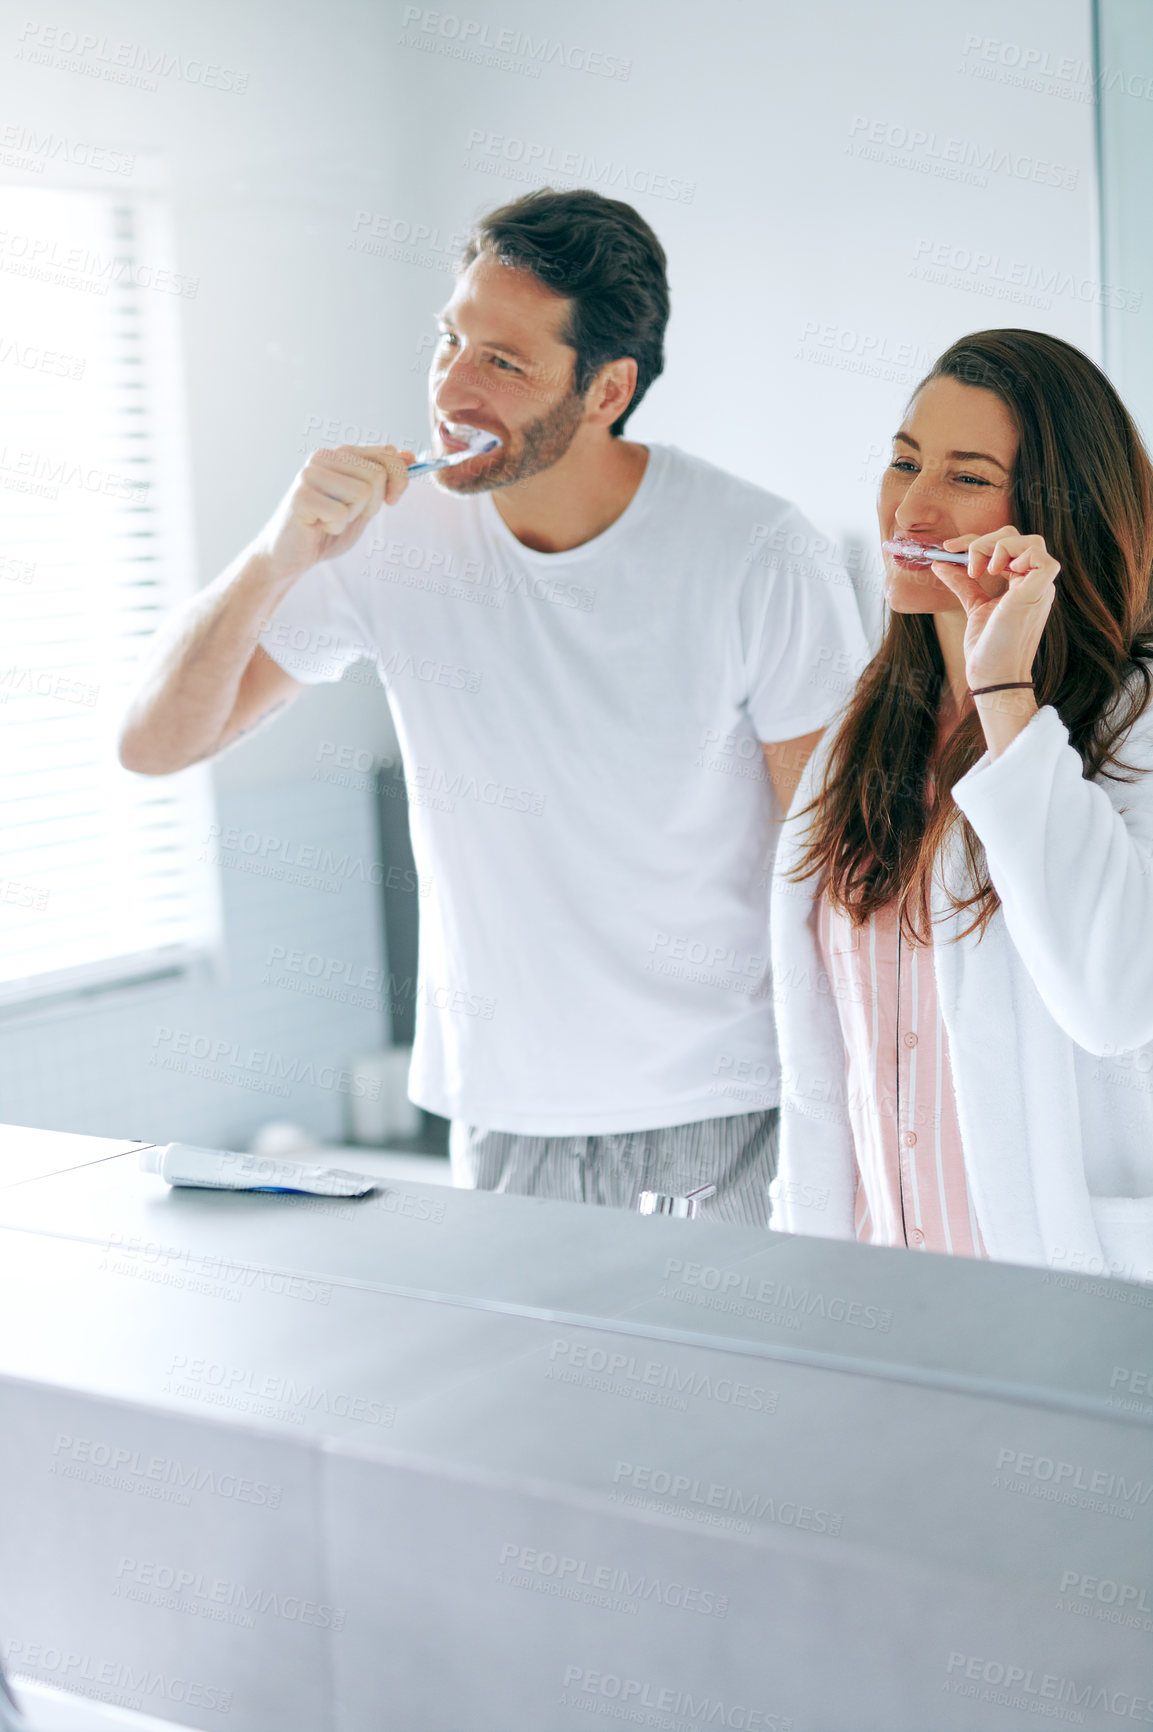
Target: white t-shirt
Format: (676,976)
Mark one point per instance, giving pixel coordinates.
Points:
(591,815)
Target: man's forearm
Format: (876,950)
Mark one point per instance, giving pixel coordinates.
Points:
(192,675)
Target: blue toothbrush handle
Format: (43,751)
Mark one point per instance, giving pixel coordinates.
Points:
(426,464)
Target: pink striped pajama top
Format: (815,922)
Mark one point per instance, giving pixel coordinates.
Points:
(911,1185)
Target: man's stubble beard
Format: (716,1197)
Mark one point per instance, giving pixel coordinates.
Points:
(543,442)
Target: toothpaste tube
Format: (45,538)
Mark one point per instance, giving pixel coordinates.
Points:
(222,1170)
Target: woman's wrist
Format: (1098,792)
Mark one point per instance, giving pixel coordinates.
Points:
(1005,713)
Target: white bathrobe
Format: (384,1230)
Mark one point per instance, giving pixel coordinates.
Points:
(1049,1016)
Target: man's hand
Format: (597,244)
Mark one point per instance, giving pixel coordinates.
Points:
(330,504)
(206,680)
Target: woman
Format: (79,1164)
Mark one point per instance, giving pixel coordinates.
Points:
(962,915)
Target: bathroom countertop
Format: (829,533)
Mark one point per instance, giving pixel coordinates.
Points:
(492,1443)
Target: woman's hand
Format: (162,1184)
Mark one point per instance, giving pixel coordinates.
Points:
(1007,593)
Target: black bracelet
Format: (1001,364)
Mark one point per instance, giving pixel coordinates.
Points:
(1008,686)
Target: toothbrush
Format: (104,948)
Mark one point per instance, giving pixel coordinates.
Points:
(479,443)
(913,551)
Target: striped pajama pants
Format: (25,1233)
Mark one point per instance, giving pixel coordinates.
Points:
(738,1154)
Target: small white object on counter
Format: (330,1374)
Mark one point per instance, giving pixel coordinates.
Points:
(378,1108)
(283,1141)
(222,1170)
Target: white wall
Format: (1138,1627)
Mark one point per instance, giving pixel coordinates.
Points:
(1126,76)
(803,313)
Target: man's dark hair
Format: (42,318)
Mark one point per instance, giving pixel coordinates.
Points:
(603,258)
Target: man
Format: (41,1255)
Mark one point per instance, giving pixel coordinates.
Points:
(592,649)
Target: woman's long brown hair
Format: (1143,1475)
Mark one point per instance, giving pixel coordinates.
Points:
(1083,480)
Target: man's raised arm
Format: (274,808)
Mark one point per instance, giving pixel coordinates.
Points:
(206,679)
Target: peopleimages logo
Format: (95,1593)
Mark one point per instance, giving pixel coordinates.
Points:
(926,151)
(127,1469)
(801,1301)
(731,754)
(49,471)
(206,1272)
(533,159)
(525,53)
(412,562)
(44,683)
(1090,1488)
(25,147)
(729,1499)
(24,895)
(630,1694)
(1023,1687)
(82,268)
(117,1681)
(1131,1389)
(553,1572)
(231,1055)
(390,237)
(1134,1381)
(659,1374)
(429,784)
(215,1596)
(121,62)
(1017,278)
(34,359)
(1106,1591)
(281,851)
(238,1383)
(1030,68)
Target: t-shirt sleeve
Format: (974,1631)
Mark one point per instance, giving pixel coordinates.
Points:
(801,635)
(318,629)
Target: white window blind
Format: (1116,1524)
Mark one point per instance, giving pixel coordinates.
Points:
(103,875)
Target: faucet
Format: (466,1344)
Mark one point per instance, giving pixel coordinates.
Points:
(683,1208)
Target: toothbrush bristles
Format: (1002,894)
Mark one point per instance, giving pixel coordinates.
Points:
(916,553)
